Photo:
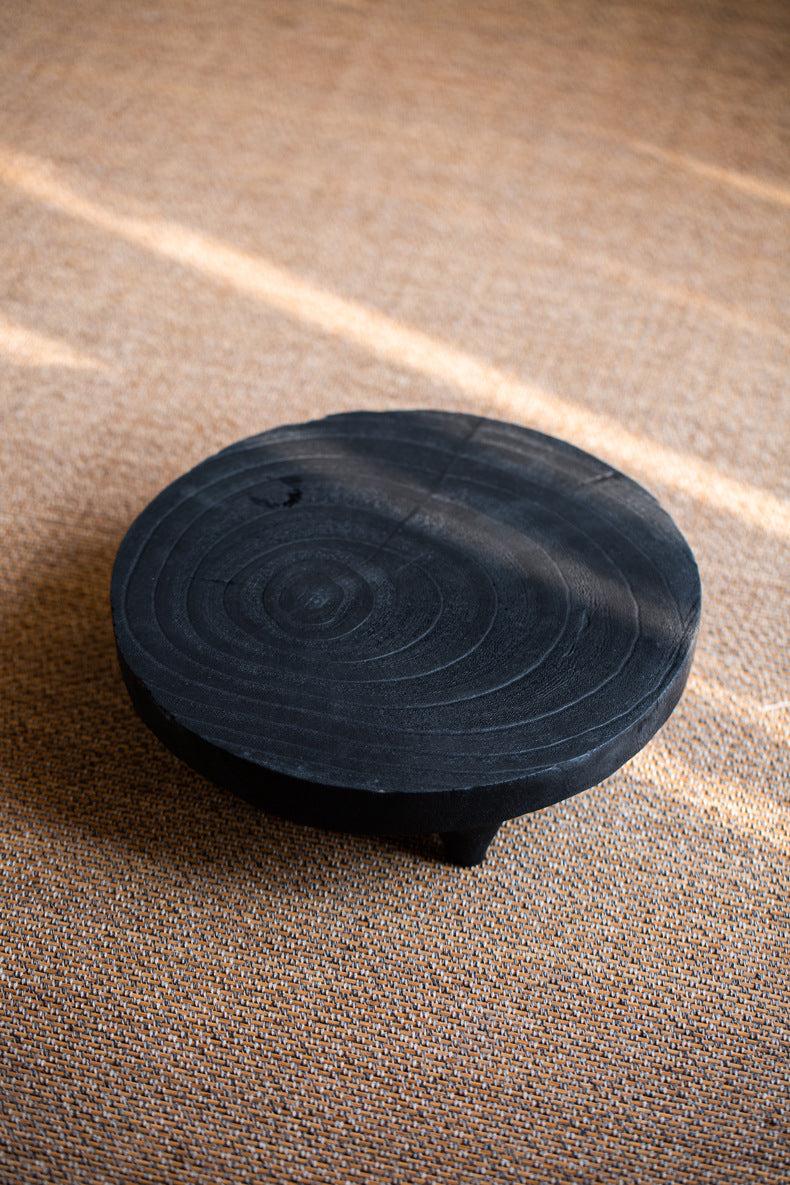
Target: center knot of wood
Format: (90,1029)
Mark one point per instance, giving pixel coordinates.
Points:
(320,596)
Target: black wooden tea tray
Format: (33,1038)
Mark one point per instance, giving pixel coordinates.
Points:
(405,622)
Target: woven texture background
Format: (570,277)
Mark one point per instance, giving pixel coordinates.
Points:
(215,218)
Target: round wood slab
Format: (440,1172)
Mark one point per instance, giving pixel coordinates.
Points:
(405,622)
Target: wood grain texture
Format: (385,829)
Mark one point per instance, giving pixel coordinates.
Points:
(405,621)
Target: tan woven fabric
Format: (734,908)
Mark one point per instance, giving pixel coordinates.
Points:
(215,218)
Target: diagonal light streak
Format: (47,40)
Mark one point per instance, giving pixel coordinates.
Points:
(756,187)
(744,182)
(406,347)
(25,347)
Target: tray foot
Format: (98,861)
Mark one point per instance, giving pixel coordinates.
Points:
(467,848)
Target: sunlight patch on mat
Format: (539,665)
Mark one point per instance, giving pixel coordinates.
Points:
(496,390)
(770,717)
(752,812)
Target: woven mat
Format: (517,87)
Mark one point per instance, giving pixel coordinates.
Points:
(221,217)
